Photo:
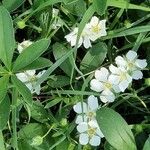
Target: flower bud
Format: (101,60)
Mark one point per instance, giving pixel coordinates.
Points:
(63,122)
(21,24)
(38,140)
(147,81)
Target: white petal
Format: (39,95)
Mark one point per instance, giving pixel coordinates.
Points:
(129,78)
(30,87)
(78,108)
(99,132)
(83,139)
(141,63)
(95,140)
(102,74)
(22,76)
(37,89)
(116,88)
(131,55)
(137,75)
(81,119)
(82,127)
(93,124)
(30,72)
(93,102)
(94,21)
(86,42)
(95,85)
(107,96)
(114,79)
(102,24)
(114,69)
(120,61)
(123,85)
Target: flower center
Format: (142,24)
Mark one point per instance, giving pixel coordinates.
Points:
(91,115)
(95,29)
(122,76)
(130,65)
(91,131)
(108,85)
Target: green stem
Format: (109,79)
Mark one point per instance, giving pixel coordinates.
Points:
(2,146)
(14,110)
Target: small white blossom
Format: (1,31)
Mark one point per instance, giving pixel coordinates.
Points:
(84,38)
(97,28)
(23,45)
(91,32)
(86,111)
(120,77)
(29,78)
(132,64)
(102,83)
(89,133)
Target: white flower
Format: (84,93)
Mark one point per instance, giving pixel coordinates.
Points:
(91,32)
(102,83)
(84,38)
(29,78)
(89,133)
(86,111)
(23,45)
(132,64)
(120,77)
(97,28)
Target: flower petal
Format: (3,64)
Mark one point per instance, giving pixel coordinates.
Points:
(101,74)
(141,63)
(137,74)
(82,127)
(95,85)
(123,85)
(83,139)
(114,79)
(30,72)
(94,21)
(114,69)
(95,140)
(131,55)
(120,61)
(93,102)
(22,76)
(86,42)
(81,119)
(102,24)
(107,96)
(80,108)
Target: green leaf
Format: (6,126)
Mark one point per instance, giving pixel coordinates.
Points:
(3,87)
(100,6)
(59,81)
(2,146)
(94,57)
(7,40)
(126,5)
(38,112)
(39,63)
(126,32)
(4,112)
(147,144)
(30,54)
(11,5)
(23,90)
(30,131)
(76,7)
(60,50)
(53,102)
(115,129)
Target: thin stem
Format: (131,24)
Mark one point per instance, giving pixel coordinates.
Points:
(14,127)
